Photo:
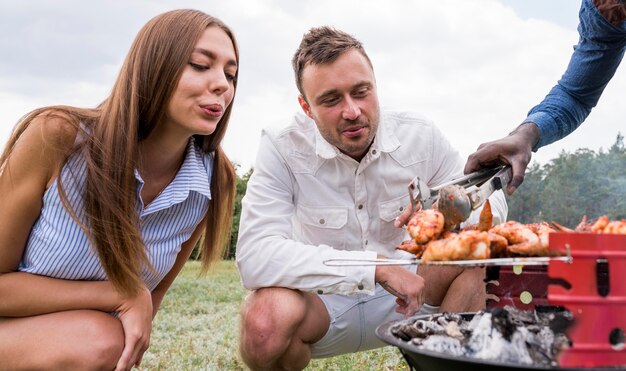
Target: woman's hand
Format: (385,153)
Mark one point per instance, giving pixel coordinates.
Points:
(135,313)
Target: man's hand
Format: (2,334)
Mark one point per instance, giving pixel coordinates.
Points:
(405,216)
(406,286)
(514,149)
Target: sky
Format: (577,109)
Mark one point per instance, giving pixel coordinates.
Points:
(474,67)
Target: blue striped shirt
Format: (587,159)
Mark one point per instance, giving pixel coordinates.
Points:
(57,246)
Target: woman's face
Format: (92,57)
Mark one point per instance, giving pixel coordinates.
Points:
(206,86)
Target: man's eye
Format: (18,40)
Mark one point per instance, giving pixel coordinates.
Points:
(361,93)
(330,101)
(198,67)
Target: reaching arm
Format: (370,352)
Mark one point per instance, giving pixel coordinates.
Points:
(591,67)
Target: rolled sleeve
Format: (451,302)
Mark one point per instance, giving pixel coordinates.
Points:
(595,59)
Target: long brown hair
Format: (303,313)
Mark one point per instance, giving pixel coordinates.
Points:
(137,103)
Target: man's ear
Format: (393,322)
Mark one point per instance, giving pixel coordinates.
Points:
(305,106)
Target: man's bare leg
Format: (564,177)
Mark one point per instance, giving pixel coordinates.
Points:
(278,326)
(454,289)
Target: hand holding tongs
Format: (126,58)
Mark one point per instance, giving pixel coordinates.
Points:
(457,198)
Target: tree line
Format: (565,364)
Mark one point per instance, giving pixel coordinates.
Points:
(574,184)
(583,183)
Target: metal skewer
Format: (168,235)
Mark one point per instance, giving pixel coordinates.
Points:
(540,260)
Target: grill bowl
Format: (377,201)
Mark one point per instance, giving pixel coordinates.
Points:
(426,360)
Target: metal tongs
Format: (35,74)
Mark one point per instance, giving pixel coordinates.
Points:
(457,198)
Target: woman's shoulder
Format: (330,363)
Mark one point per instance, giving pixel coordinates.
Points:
(48,135)
(55,130)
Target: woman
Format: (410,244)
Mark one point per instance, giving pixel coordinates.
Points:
(100,208)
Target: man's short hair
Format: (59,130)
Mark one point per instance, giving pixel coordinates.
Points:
(323,45)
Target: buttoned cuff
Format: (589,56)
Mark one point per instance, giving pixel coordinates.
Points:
(358,279)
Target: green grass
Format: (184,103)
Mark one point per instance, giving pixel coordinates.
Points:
(197,328)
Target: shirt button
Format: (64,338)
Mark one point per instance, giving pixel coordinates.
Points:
(320,292)
(360,286)
(374,152)
(322,221)
(401,208)
(360,207)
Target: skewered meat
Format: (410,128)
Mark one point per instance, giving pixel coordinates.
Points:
(425,225)
(602,225)
(432,242)
(459,246)
(521,238)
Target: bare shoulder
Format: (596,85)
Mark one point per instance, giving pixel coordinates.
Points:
(41,148)
(54,130)
(28,170)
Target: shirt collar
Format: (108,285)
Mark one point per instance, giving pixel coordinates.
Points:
(193,175)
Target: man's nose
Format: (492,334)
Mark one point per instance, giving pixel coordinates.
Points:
(351,110)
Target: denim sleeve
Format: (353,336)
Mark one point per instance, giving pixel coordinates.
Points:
(595,59)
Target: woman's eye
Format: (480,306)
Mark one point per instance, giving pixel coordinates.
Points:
(230,77)
(198,67)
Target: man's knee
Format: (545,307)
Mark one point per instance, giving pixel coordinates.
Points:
(473,278)
(269,319)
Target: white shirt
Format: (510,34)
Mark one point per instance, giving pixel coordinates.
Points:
(307,202)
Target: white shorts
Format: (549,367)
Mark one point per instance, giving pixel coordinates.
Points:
(353,322)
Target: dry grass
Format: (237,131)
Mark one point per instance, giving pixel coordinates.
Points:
(197,328)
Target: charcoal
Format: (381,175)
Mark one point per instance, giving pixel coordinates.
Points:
(502,323)
(508,335)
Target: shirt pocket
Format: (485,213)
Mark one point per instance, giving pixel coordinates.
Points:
(323,225)
(389,211)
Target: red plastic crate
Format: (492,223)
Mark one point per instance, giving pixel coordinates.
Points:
(597,297)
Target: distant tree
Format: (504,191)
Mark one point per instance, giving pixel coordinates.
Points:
(525,204)
(573,185)
(240,186)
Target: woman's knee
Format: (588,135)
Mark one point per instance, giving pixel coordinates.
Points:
(102,342)
(63,340)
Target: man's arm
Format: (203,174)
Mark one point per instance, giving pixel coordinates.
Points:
(267,253)
(591,67)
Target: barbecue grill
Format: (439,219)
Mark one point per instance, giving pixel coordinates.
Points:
(592,287)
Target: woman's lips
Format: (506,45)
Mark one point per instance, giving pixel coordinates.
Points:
(212,110)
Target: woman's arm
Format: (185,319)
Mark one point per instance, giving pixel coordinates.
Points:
(30,169)
(159,292)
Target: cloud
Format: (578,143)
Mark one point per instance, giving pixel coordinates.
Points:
(475,67)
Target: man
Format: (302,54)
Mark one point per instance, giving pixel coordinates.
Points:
(596,57)
(330,186)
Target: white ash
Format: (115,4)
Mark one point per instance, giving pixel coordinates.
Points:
(443,344)
(504,335)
